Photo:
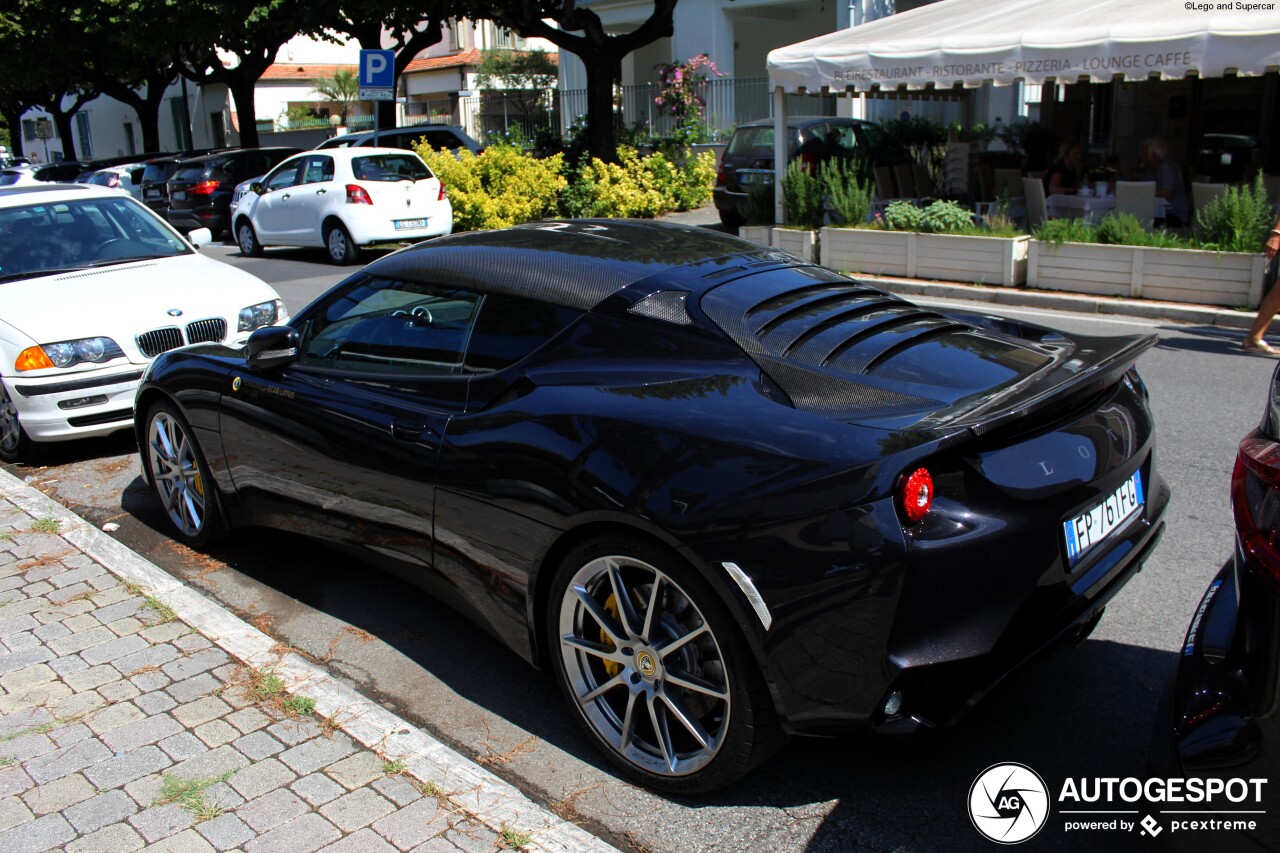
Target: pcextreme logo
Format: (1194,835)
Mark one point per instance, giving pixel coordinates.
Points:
(1008,803)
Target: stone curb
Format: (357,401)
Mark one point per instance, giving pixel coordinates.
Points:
(484,796)
(1201,315)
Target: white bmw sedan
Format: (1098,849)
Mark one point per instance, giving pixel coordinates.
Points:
(93,285)
(342,199)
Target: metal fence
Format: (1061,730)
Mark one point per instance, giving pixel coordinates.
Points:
(728,102)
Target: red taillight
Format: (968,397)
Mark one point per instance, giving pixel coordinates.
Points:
(1255,500)
(915,491)
(113,180)
(204,188)
(442,192)
(357,194)
(722,177)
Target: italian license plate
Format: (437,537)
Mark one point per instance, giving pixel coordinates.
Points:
(179,195)
(1094,525)
(401,224)
(755,176)
(152,193)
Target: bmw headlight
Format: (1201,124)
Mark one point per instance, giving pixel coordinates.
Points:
(262,314)
(69,353)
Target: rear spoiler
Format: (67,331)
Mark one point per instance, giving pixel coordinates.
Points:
(1072,377)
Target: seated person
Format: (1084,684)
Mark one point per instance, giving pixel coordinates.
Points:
(1154,158)
(1064,175)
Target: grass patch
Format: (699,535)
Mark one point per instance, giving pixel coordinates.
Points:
(46,525)
(264,684)
(6,761)
(394,766)
(514,839)
(162,610)
(40,728)
(302,706)
(189,793)
(431,789)
(7,536)
(132,587)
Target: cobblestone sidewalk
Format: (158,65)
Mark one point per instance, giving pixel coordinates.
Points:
(122,728)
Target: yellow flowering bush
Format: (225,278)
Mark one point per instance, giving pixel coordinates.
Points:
(640,186)
(498,188)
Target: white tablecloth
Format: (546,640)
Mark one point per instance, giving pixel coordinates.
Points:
(1063,206)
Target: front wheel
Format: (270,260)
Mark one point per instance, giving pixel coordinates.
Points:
(656,669)
(15,444)
(342,249)
(180,477)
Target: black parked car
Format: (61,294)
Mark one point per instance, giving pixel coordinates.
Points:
(201,187)
(722,493)
(436,135)
(157,172)
(748,158)
(1218,720)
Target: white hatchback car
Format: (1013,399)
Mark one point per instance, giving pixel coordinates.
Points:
(342,199)
(93,285)
(126,179)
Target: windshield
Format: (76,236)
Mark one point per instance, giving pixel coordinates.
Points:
(390,167)
(158,173)
(59,236)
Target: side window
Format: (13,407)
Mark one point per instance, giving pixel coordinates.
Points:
(843,139)
(438,139)
(285,175)
(319,168)
(510,328)
(392,327)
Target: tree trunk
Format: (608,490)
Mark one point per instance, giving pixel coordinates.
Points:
(601,72)
(241,87)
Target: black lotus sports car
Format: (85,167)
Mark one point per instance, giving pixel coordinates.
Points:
(722,493)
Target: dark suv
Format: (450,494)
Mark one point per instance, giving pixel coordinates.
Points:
(156,174)
(437,135)
(201,187)
(748,158)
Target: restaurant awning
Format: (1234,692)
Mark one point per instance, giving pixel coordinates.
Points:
(971,42)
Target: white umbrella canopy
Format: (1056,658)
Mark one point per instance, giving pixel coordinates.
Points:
(970,42)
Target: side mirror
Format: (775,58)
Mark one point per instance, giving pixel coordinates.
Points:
(200,237)
(257,188)
(271,347)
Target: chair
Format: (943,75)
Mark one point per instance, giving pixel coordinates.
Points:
(1202,194)
(884,183)
(905,178)
(1138,198)
(1037,208)
(1272,183)
(923,180)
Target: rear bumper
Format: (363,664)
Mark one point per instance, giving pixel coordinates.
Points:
(366,230)
(726,199)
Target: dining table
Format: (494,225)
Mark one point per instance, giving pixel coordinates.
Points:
(1091,207)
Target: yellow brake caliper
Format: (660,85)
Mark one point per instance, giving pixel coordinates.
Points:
(611,607)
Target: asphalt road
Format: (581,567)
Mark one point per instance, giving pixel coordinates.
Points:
(1085,711)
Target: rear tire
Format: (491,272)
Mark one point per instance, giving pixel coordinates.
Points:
(180,477)
(248,240)
(338,243)
(656,669)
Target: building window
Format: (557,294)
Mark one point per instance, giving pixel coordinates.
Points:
(84,135)
(28,129)
(180,130)
(503,37)
(128,139)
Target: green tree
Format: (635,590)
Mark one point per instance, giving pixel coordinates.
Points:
(343,89)
(517,69)
(581,32)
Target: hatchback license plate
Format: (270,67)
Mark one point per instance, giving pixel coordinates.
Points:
(401,224)
(152,193)
(179,195)
(755,176)
(1095,524)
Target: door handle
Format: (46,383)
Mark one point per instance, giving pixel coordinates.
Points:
(407,429)
(286,195)
(321,191)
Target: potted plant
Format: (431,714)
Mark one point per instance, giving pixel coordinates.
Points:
(759,226)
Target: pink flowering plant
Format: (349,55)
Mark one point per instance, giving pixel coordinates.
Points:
(681,95)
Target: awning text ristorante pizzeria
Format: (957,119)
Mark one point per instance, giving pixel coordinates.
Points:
(1119,63)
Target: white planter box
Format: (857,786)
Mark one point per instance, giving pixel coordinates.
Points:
(1230,279)
(801,243)
(948,257)
(762,234)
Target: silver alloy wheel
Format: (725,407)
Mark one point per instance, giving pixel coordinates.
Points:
(644,666)
(172,456)
(10,429)
(247,238)
(338,247)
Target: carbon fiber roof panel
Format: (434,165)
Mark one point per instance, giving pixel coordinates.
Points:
(576,263)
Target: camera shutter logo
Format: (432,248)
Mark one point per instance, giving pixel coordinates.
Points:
(1008,803)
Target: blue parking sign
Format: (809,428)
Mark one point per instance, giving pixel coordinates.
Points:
(377,69)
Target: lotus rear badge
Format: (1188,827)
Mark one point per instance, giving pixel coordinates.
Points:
(235,384)
(174,312)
